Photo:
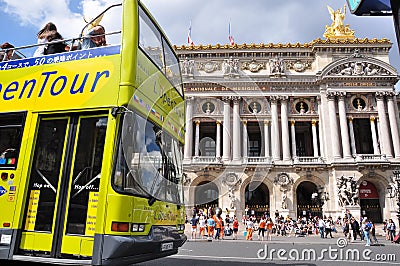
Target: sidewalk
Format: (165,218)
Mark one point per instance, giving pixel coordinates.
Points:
(309,239)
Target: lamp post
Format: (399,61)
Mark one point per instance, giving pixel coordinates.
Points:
(394,191)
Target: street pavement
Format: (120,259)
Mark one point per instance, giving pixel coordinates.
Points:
(283,250)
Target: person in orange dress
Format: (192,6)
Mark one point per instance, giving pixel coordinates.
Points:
(250,226)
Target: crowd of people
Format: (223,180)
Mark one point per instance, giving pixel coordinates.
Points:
(50,41)
(207,223)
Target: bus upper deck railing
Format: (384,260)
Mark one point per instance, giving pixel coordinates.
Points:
(17,54)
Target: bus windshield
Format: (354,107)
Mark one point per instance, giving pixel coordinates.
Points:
(149,161)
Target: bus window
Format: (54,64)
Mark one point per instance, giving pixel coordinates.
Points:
(148,162)
(11,127)
(150,39)
(172,68)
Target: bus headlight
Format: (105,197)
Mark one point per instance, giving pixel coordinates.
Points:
(138,227)
(135,227)
(141,227)
(180,227)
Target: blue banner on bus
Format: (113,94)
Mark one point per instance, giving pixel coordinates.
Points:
(62,57)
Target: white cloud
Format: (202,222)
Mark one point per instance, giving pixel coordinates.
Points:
(38,12)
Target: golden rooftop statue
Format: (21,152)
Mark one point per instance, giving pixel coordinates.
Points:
(337,30)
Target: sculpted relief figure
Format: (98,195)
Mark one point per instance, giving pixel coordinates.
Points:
(276,66)
(347,191)
(359,69)
(187,67)
(230,66)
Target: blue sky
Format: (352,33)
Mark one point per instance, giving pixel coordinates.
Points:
(253,21)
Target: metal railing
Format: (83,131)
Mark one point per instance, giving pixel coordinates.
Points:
(70,42)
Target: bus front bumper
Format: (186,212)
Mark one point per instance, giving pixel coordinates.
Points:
(122,250)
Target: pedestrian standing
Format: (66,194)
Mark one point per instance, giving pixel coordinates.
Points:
(385,223)
(391,227)
(329,225)
(269,226)
(202,226)
(250,226)
(355,228)
(373,232)
(261,228)
(218,226)
(210,227)
(194,222)
(321,227)
(235,227)
(365,227)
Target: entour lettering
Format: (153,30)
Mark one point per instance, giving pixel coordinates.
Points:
(53,84)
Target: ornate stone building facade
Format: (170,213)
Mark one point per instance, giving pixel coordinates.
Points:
(305,129)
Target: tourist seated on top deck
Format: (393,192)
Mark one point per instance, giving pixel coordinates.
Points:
(95,37)
(50,41)
(7,52)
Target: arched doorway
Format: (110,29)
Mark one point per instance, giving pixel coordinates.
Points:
(307,205)
(257,200)
(369,201)
(206,195)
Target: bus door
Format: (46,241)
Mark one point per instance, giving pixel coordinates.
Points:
(60,212)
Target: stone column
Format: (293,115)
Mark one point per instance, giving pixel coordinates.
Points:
(378,126)
(343,127)
(266,139)
(285,129)
(226,141)
(315,137)
(383,124)
(334,125)
(374,137)
(393,125)
(197,139)
(352,138)
(236,130)
(275,140)
(189,129)
(396,108)
(321,128)
(218,141)
(245,140)
(293,133)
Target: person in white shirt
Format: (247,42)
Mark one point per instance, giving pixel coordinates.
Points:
(321,227)
(250,228)
(202,225)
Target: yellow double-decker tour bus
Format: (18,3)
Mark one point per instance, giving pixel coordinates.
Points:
(91,147)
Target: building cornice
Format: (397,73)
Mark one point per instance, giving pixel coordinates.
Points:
(312,44)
